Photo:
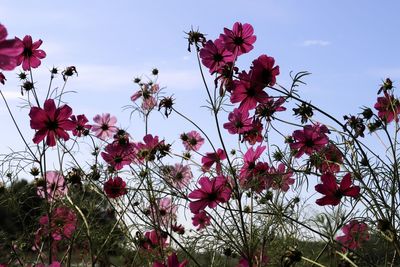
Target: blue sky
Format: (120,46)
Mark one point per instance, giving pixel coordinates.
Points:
(349,46)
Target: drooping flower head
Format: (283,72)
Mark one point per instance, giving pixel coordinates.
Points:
(192,140)
(9,50)
(211,193)
(31,55)
(214,55)
(51,122)
(115,187)
(334,192)
(240,39)
(54,184)
(355,233)
(105,127)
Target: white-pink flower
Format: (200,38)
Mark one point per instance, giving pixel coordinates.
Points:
(105,127)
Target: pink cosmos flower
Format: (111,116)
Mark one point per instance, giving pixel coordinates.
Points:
(239,122)
(254,135)
(2,81)
(115,187)
(309,140)
(9,50)
(31,55)
(263,71)
(388,108)
(280,178)
(80,125)
(201,220)
(63,223)
(165,212)
(250,158)
(105,127)
(51,122)
(179,175)
(153,239)
(214,55)
(192,140)
(211,193)
(117,156)
(334,192)
(355,233)
(247,93)
(171,262)
(55,186)
(210,158)
(240,39)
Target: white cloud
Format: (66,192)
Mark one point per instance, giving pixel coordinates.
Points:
(315,43)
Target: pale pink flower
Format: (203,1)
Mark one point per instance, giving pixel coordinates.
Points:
(105,127)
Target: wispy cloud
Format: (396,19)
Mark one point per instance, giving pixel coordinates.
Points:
(315,43)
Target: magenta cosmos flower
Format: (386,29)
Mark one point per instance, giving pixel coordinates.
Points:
(309,140)
(214,55)
(9,50)
(240,39)
(355,233)
(81,125)
(55,186)
(63,223)
(388,108)
(31,55)
(250,158)
(105,127)
(172,261)
(281,178)
(51,122)
(268,109)
(213,158)
(115,187)
(117,156)
(192,140)
(263,71)
(153,239)
(239,122)
(201,220)
(334,192)
(247,93)
(211,193)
